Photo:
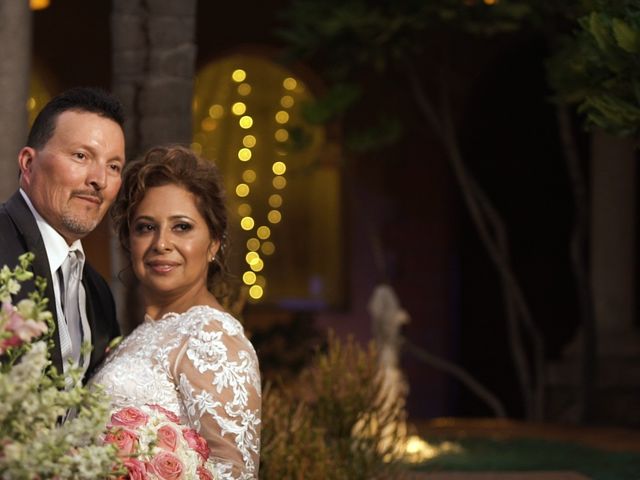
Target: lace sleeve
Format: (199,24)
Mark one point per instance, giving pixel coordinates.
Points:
(218,379)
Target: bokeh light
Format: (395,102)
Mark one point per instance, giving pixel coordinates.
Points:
(247,223)
(239,75)
(245,122)
(249,141)
(242,190)
(263,232)
(244,154)
(274,216)
(275,200)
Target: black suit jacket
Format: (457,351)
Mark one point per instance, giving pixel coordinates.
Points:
(19,234)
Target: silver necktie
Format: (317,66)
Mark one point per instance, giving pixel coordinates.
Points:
(71,272)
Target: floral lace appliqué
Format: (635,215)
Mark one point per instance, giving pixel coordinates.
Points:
(200,365)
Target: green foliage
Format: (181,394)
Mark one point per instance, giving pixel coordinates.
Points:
(599,67)
(333,104)
(352,39)
(34,397)
(352,33)
(386,131)
(34,307)
(331,423)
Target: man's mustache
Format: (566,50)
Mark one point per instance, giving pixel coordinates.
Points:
(89,193)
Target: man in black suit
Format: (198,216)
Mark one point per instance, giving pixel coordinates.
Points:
(69,176)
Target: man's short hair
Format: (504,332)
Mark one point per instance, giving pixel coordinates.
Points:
(79,99)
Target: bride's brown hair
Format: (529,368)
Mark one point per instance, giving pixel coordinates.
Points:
(177,165)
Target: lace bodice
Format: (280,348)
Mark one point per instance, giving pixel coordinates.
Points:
(199,365)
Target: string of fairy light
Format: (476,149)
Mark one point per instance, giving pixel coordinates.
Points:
(260,244)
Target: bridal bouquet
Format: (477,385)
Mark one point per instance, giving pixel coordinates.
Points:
(34,443)
(153,445)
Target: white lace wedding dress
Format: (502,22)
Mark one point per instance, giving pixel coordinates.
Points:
(199,365)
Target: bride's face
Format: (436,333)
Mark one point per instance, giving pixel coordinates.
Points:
(170,243)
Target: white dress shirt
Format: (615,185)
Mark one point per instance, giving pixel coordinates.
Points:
(57,251)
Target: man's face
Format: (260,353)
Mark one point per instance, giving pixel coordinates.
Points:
(73,180)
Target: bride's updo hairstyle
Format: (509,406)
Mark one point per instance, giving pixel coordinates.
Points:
(177,165)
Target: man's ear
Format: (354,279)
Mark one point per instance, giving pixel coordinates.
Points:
(25,162)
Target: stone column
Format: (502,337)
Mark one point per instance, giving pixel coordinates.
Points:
(15,61)
(153,73)
(613,241)
(611,394)
(153,69)
(616,398)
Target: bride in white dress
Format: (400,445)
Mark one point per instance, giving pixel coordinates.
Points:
(189,356)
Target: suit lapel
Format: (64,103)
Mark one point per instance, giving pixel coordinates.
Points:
(91,317)
(22,217)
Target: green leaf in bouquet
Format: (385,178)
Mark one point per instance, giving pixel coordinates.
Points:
(34,397)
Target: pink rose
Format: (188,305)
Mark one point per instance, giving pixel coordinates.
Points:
(30,329)
(124,440)
(137,470)
(9,342)
(167,466)
(129,417)
(196,442)
(204,474)
(26,329)
(168,413)
(167,438)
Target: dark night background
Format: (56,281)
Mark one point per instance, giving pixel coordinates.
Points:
(434,260)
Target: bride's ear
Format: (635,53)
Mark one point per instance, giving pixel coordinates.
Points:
(213,249)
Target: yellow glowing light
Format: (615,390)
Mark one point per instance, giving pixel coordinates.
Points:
(268,248)
(256,292)
(242,190)
(249,141)
(244,154)
(279,182)
(275,200)
(253,244)
(281,135)
(209,124)
(244,89)
(257,266)
(246,122)
(244,210)
(195,104)
(249,278)
(263,232)
(274,216)
(38,4)
(287,101)
(252,258)
(282,117)
(238,108)
(416,450)
(279,168)
(247,223)
(249,176)
(31,103)
(289,83)
(196,147)
(490,2)
(239,75)
(216,111)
